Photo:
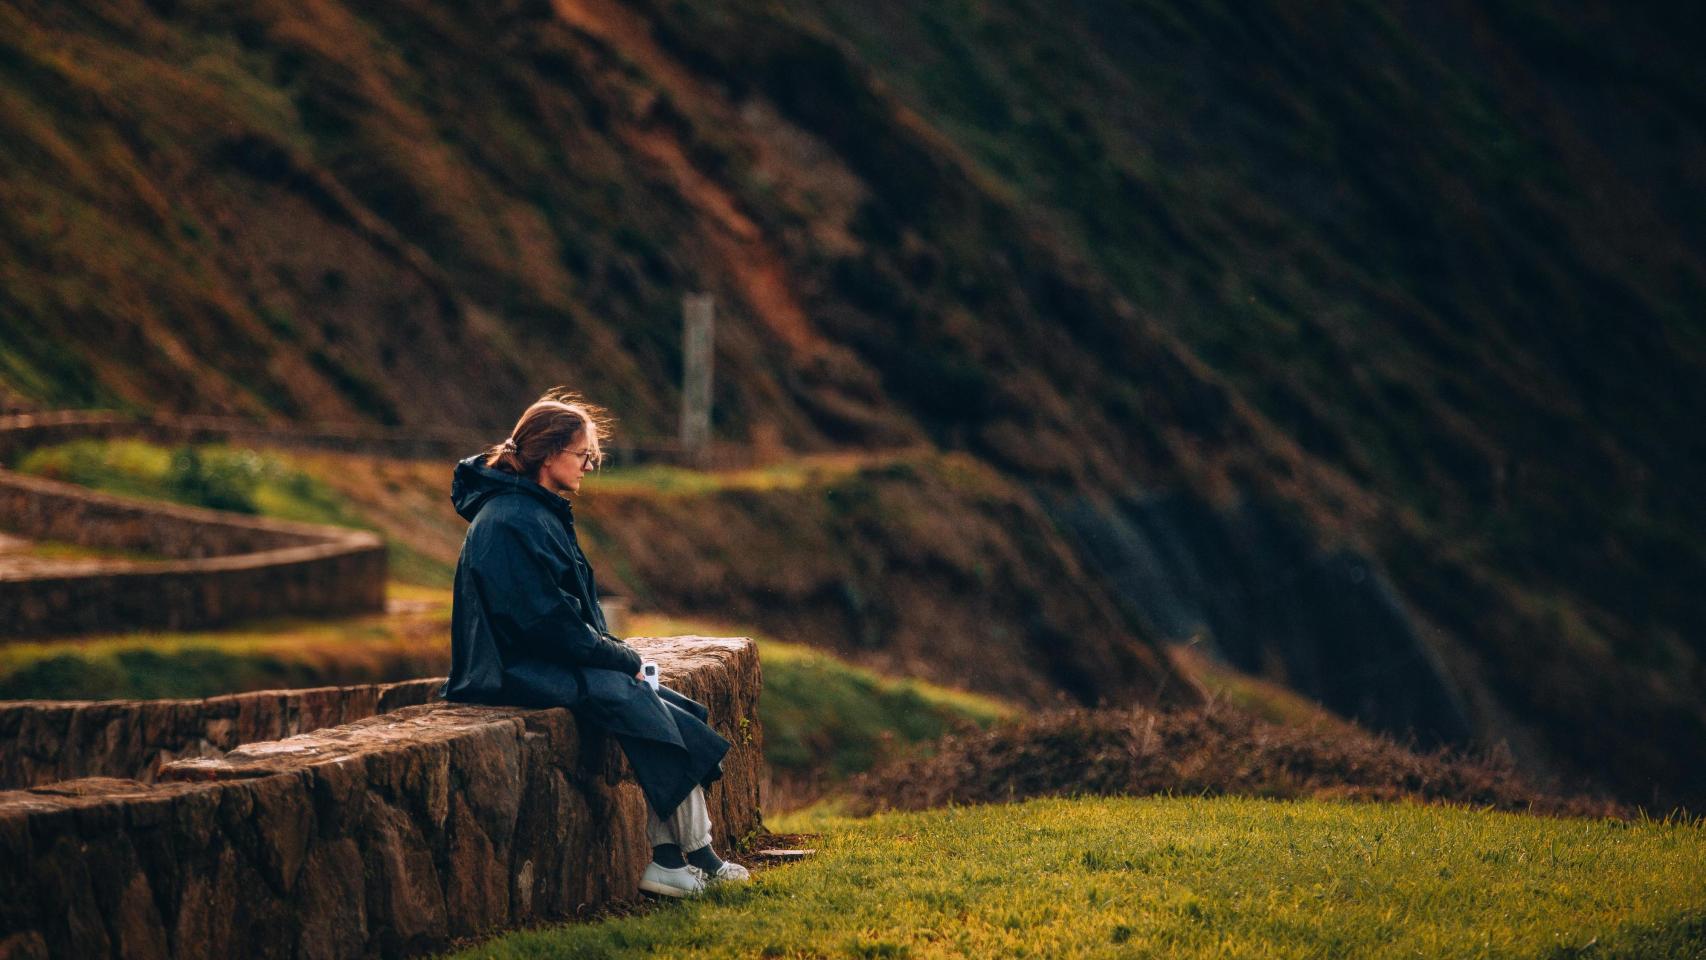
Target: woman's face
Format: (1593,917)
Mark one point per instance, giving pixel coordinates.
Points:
(562,471)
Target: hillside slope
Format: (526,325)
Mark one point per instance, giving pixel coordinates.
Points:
(924,566)
(1404,297)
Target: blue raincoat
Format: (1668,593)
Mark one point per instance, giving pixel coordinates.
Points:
(526,629)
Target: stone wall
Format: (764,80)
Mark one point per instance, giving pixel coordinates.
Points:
(42,741)
(23,431)
(230,567)
(384,837)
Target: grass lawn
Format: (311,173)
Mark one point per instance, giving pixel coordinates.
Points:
(1188,877)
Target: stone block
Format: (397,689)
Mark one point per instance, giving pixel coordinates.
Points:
(45,741)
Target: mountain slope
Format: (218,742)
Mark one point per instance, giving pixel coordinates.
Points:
(1406,294)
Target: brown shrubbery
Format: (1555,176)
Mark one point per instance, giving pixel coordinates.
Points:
(1210,750)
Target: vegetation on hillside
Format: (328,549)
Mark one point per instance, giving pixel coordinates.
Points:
(915,563)
(1423,273)
(1187,877)
(1397,251)
(925,565)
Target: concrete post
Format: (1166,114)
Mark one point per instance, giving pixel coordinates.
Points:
(697,334)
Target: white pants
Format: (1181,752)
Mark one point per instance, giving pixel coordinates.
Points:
(689,827)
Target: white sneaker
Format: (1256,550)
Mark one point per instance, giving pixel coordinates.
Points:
(687,881)
(730,872)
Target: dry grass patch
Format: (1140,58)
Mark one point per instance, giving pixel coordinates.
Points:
(1212,750)
(411,639)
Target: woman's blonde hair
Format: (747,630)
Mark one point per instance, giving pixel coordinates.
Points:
(547,427)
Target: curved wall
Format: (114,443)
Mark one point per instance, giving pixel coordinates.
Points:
(229,567)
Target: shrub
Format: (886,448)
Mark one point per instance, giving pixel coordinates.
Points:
(1209,750)
(224,481)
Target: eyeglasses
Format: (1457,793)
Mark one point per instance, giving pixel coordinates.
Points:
(589,459)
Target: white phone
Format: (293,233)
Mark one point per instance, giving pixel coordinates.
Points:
(649,673)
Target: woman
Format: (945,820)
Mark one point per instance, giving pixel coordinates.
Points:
(526,629)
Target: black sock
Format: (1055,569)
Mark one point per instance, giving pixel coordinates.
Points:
(705,859)
(668,855)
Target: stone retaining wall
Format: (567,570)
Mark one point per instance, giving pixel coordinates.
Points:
(21,432)
(384,837)
(230,567)
(42,741)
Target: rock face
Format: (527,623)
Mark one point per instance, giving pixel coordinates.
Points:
(1270,601)
(384,837)
(225,566)
(42,741)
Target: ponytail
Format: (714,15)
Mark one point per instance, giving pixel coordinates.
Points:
(550,425)
(505,456)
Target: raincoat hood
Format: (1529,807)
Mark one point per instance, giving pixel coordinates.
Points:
(474,485)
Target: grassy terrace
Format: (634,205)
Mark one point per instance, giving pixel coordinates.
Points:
(50,550)
(817,709)
(263,482)
(795,473)
(1188,877)
(410,640)
(824,719)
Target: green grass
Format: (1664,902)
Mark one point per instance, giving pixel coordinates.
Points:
(216,476)
(54,550)
(817,708)
(220,477)
(665,480)
(275,654)
(828,719)
(794,474)
(1188,877)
